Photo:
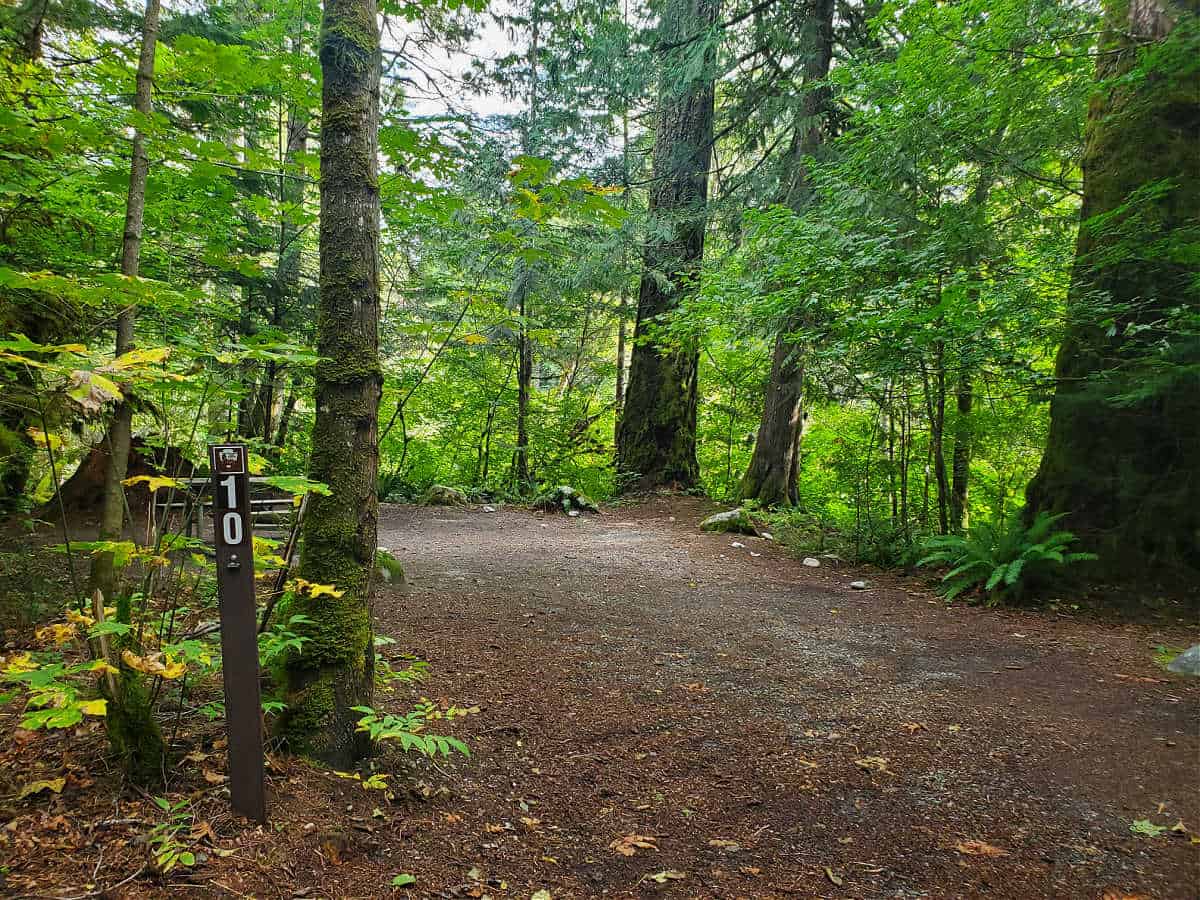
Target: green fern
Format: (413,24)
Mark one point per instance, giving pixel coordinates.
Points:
(1001,562)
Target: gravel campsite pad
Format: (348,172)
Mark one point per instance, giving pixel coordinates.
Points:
(662,712)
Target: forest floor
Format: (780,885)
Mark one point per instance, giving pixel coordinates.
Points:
(663,712)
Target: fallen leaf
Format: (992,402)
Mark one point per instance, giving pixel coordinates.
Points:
(36,787)
(94,707)
(214,777)
(154,664)
(404,880)
(1121,895)
(913,727)
(631,843)
(752,871)
(492,828)
(1146,828)
(543,894)
(833,876)
(530,823)
(874,764)
(664,876)
(979,848)
(723,844)
(1179,828)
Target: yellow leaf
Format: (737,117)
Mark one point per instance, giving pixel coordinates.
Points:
(154,482)
(474,339)
(103,667)
(59,632)
(94,707)
(141,357)
(153,664)
(77,618)
(44,440)
(36,787)
(316,590)
(20,662)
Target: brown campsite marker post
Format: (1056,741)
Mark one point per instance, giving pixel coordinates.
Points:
(239,628)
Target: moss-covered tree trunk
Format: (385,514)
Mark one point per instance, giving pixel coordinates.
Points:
(771,476)
(335,671)
(1123,451)
(656,443)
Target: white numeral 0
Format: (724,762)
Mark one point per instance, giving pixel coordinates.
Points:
(231,527)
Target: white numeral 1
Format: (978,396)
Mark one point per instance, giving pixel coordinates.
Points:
(229,482)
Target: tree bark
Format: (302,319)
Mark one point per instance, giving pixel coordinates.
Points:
(656,444)
(132,730)
(335,671)
(771,477)
(523,277)
(1128,474)
(520,469)
(960,459)
(112,516)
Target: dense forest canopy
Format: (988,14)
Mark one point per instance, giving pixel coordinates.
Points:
(907,280)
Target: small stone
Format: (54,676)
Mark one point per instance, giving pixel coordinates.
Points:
(812,562)
(487,508)
(737,545)
(670,518)
(1187,662)
(858,585)
(573,513)
(767,536)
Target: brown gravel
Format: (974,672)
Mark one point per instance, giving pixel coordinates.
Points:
(774,733)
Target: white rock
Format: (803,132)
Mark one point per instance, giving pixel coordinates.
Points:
(737,544)
(752,553)
(858,585)
(734,520)
(767,536)
(573,513)
(812,562)
(1187,662)
(489,508)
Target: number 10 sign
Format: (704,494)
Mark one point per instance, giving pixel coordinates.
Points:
(239,632)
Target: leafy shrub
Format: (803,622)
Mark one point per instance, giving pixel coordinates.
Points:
(1001,561)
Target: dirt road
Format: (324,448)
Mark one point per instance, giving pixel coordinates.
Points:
(770,731)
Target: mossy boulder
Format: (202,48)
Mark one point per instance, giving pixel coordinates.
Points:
(441,495)
(387,568)
(567,499)
(734,521)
